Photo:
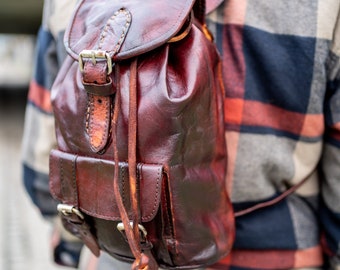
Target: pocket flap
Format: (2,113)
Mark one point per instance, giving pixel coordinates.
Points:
(87,182)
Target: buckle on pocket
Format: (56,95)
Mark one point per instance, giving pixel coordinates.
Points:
(121,228)
(67,209)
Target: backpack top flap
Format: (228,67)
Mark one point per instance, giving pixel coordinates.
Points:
(129,27)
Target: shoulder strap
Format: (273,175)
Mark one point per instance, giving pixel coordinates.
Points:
(199,10)
(273,201)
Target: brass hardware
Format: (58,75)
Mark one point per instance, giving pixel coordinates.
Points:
(94,55)
(66,210)
(120,227)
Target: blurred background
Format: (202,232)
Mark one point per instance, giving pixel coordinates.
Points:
(24,236)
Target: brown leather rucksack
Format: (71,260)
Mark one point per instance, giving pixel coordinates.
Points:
(140,163)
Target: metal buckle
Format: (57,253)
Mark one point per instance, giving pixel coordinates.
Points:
(95,55)
(67,209)
(120,227)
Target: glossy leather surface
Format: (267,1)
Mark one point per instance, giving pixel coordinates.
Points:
(180,134)
(148,29)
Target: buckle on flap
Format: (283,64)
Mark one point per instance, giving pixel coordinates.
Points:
(95,55)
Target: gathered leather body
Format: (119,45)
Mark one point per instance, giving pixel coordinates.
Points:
(180,148)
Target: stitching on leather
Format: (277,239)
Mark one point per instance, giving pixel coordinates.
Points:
(62,184)
(74,53)
(88,114)
(91,110)
(74,180)
(106,103)
(159,38)
(124,30)
(110,117)
(89,120)
(107,121)
(156,197)
(93,214)
(123,184)
(52,186)
(51,174)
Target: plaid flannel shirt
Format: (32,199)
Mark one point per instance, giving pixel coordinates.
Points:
(39,137)
(282,119)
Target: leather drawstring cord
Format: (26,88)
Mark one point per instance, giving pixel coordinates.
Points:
(142,261)
(132,145)
(125,218)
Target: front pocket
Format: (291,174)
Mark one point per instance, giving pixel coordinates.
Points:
(87,183)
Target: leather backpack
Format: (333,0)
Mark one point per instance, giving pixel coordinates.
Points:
(140,163)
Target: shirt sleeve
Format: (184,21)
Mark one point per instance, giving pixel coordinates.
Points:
(330,163)
(39,133)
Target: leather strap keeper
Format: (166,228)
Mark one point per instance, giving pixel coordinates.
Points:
(105,89)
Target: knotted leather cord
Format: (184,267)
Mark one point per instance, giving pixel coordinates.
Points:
(135,249)
(132,145)
(142,261)
(134,245)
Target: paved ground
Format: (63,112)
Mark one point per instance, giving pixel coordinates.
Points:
(23,234)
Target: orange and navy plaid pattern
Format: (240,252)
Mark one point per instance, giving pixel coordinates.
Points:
(281,63)
(39,134)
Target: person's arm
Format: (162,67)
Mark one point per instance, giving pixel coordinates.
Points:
(39,133)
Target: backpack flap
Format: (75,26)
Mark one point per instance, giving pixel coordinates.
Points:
(125,29)
(88,183)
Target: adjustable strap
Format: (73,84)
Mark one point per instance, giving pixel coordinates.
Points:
(73,220)
(99,87)
(96,68)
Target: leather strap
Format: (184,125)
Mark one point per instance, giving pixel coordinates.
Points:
(273,201)
(145,262)
(125,219)
(132,145)
(99,106)
(68,171)
(98,83)
(81,229)
(199,10)
(73,222)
